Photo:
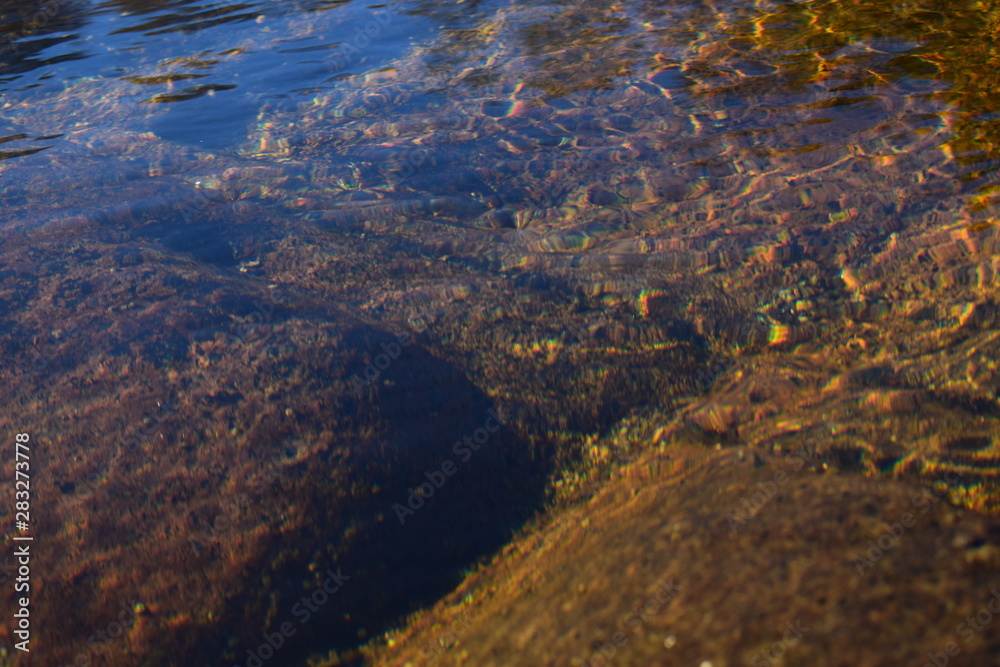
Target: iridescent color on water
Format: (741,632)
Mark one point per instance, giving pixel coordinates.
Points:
(713,222)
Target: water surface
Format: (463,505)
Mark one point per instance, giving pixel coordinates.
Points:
(751,226)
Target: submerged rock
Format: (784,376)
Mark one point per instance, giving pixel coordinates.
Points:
(209,451)
(693,558)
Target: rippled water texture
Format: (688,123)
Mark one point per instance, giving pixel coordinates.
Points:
(750,225)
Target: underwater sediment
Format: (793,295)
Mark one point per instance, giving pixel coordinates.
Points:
(261,379)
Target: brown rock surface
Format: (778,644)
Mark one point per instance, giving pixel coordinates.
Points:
(763,287)
(652,572)
(199,454)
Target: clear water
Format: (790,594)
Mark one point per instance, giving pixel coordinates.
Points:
(724,223)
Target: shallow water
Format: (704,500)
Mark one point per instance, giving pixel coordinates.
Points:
(740,225)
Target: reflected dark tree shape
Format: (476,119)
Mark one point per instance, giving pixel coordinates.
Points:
(166,16)
(27,29)
(184,16)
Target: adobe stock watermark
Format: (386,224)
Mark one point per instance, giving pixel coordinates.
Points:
(41,354)
(38,20)
(967,630)
(149,428)
(393,350)
(362,39)
(225,519)
(892,533)
(261,315)
(263,310)
(751,505)
(390,352)
(446,640)
(639,615)
(777,650)
(113,630)
(303,610)
(463,449)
